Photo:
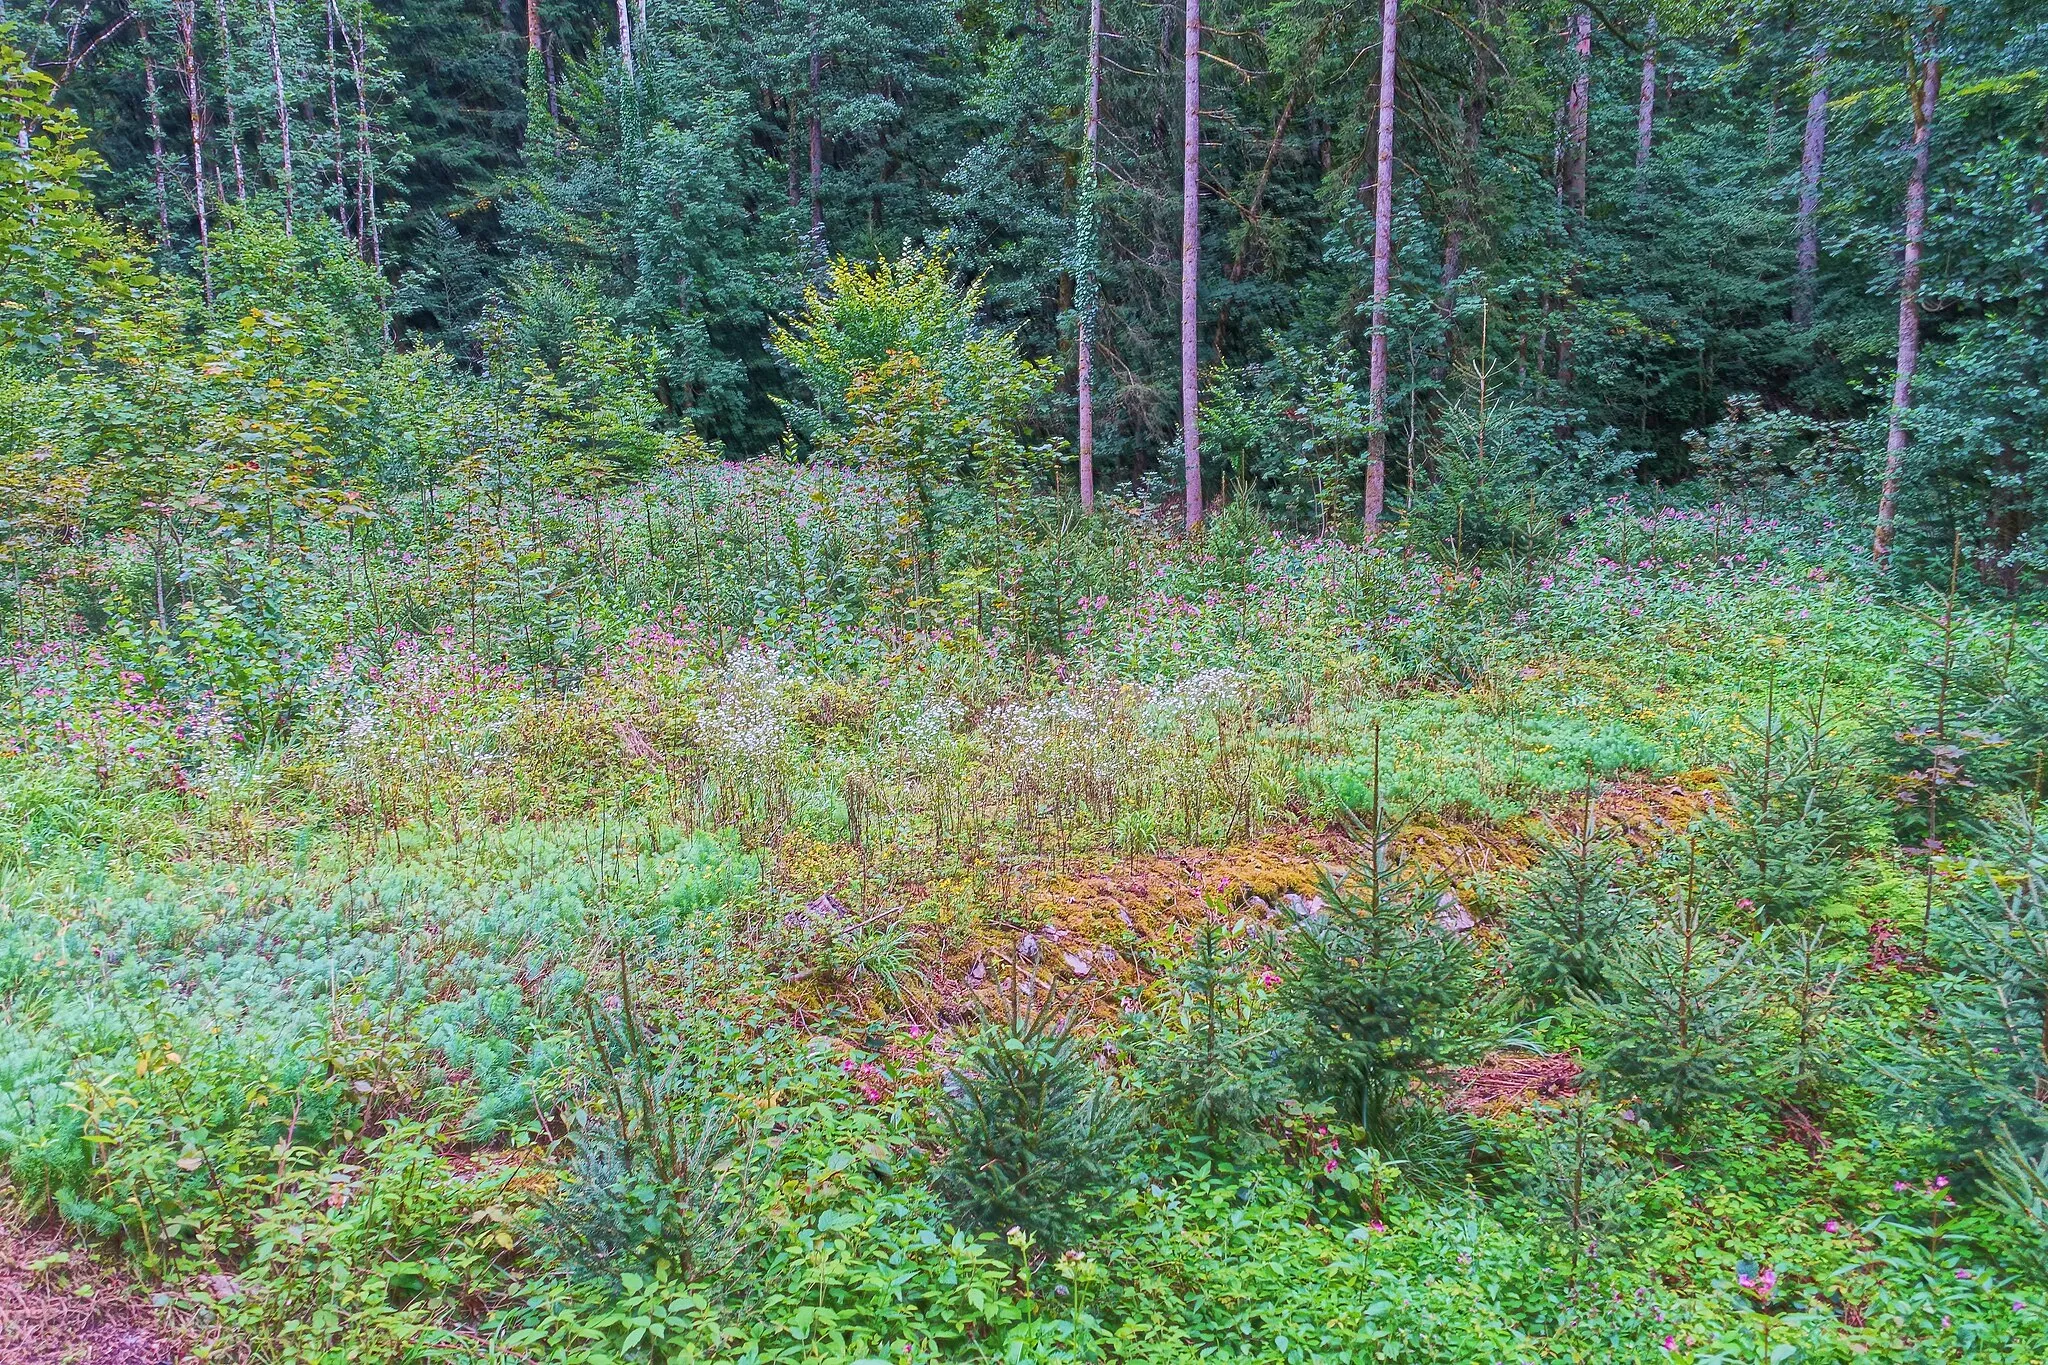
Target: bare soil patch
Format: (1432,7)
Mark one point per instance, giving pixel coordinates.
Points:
(57,1307)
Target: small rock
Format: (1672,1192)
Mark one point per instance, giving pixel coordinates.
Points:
(1027,947)
(1302,907)
(1076,964)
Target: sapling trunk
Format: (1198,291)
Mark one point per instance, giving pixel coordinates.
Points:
(228,80)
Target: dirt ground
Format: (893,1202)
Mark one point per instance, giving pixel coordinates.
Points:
(58,1308)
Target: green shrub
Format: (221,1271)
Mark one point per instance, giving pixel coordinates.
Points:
(1033,1136)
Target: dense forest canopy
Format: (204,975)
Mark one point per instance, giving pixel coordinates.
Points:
(1674,237)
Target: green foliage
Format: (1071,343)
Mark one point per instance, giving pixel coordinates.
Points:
(1212,1056)
(1565,930)
(1032,1136)
(1994,996)
(1378,985)
(872,330)
(1799,807)
(61,264)
(1672,1038)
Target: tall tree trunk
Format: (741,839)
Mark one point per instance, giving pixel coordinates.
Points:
(1578,112)
(284,116)
(1811,154)
(1191,260)
(1382,270)
(1646,98)
(1473,119)
(1923,95)
(185,17)
(1578,120)
(334,131)
(817,131)
(625,41)
(539,61)
(357,46)
(1085,294)
(229,80)
(156,136)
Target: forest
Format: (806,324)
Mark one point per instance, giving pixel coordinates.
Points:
(774,681)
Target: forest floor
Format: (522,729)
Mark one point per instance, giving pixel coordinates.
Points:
(57,1307)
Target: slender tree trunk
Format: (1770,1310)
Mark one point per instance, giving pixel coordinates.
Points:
(1382,269)
(284,116)
(1578,119)
(1191,260)
(1084,340)
(1924,95)
(357,47)
(230,79)
(625,41)
(639,26)
(334,131)
(1646,98)
(817,132)
(1578,112)
(1811,154)
(539,61)
(1473,110)
(156,136)
(184,16)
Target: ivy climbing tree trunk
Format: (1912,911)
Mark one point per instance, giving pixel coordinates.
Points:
(1923,96)
(334,127)
(1812,150)
(367,230)
(1646,97)
(1191,259)
(1086,291)
(1382,270)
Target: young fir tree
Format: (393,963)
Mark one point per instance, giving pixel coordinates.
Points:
(1376,984)
(1563,935)
(1031,1131)
(1797,811)
(1683,1003)
(1991,1070)
(1575,1177)
(1804,979)
(1213,1059)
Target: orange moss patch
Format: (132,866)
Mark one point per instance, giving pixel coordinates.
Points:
(1100,935)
